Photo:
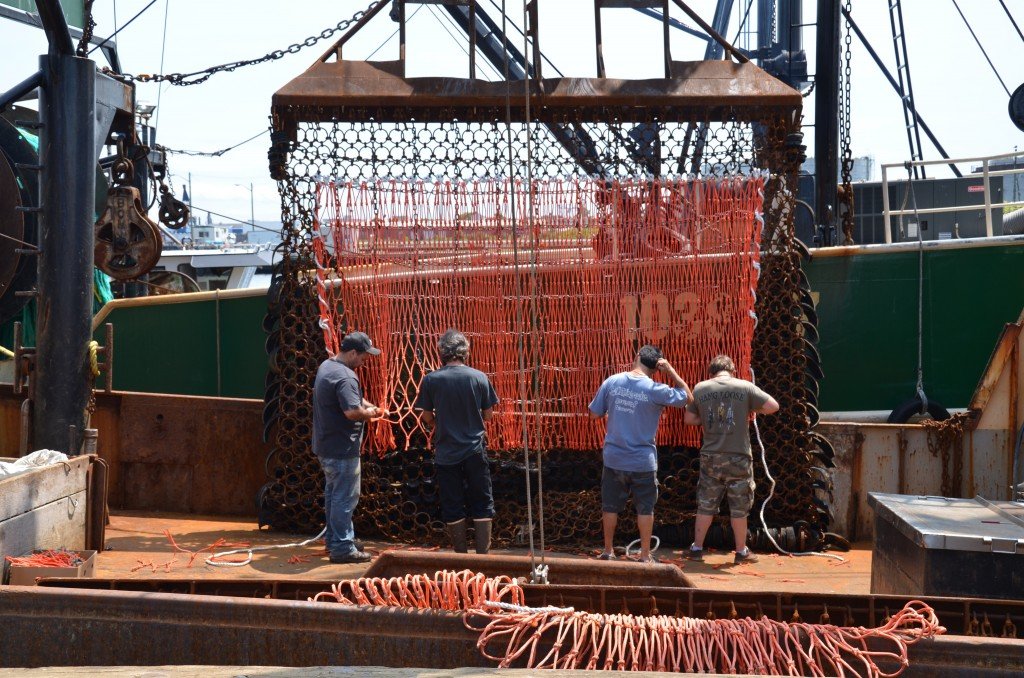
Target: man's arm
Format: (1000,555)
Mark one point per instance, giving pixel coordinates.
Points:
(364,413)
(691,417)
(353,404)
(771,406)
(428,418)
(484,414)
(665,367)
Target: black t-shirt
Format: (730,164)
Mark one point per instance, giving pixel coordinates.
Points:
(336,391)
(456,394)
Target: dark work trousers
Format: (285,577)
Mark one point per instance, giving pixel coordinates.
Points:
(466,484)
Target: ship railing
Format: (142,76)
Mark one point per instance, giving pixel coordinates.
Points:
(986,174)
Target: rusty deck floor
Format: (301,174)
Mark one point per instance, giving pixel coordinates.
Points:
(138,548)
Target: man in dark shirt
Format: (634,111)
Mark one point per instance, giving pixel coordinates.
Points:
(456,400)
(339,416)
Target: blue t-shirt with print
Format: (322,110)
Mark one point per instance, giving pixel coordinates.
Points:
(633,404)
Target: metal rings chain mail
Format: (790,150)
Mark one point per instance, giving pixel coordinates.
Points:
(316,147)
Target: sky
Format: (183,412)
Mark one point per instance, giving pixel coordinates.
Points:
(955,89)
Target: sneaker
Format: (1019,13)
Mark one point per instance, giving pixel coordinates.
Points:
(354,557)
(606,556)
(695,555)
(649,560)
(747,556)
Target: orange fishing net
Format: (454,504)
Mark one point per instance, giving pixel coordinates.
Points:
(556,289)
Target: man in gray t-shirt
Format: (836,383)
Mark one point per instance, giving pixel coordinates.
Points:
(722,406)
(456,400)
(339,416)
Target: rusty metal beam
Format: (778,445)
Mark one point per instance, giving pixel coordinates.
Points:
(562,570)
(103,628)
(868,610)
(344,90)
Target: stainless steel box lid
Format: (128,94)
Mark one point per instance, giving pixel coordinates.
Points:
(954,524)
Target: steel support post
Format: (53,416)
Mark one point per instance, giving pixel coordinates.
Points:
(826,118)
(64,325)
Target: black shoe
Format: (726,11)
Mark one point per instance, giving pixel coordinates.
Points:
(354,557)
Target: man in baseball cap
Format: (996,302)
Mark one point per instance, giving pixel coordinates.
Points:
(358,342)
(339,416)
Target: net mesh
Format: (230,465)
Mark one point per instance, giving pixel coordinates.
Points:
(567,279)
(549,314)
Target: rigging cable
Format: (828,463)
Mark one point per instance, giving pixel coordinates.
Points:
(520,31)
(388,39)
(442,18)
(1012,20)
(163,51)
(743,23)
(540,575)
(920,292)
(118,30)
(214,154)
(981,47)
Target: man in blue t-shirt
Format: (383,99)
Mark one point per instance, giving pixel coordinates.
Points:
(633,401)
(456,400)
(339,415)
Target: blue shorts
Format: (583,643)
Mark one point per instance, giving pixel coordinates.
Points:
(617,485)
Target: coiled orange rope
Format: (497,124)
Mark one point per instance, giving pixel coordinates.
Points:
(445,590)
(562,638)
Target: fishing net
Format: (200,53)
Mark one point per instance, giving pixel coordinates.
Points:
(565,280)
(640,225)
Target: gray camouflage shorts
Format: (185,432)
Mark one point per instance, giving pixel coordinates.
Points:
(729,475)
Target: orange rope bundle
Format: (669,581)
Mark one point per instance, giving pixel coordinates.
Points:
(51,558)
(565,639)
(569,276)
(446,590)
(562,638)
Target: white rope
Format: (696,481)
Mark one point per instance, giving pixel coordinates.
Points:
(213,562)
(655,543)
(511,607)
(771,491)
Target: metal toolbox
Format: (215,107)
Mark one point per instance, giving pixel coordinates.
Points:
(940,546)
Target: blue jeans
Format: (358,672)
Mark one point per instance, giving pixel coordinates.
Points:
(341,495)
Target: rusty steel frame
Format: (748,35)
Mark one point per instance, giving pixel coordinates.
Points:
(354,91)
(64,627)
(563,570)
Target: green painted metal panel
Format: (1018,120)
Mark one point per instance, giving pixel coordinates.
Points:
(74,10)
(176,347)
(867,319)
(243,354)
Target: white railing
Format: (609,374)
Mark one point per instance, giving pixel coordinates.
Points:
(986,173)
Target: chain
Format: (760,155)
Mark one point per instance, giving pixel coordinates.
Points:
(846,192)
(946,439)
(90,24)
(197,77)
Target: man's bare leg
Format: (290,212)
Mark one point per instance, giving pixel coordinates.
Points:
(739,531)
(646,526)
(609,520)
(700,530)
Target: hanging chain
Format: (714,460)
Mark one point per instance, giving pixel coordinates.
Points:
(197,77)
(88,25)
(846,190)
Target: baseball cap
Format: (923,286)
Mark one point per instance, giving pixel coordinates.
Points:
(357,341)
